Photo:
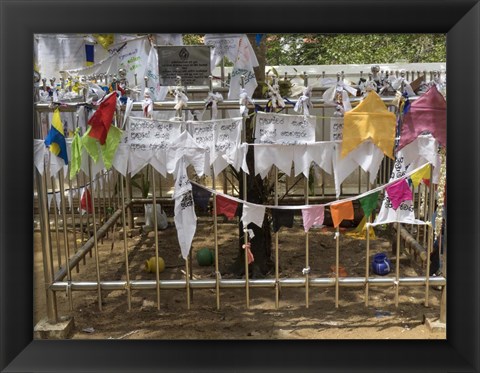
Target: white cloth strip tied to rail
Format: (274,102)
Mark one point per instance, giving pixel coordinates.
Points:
(340,87)
(304,102)
(181,99)
(275,97)
(244,100)
(212,99)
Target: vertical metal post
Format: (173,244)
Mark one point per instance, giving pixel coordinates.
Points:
(128,180)
(397,266)
(215,234)
(51,300)
(125,245)
(95,241)
(367,263)
(65,237)
(215,219)
(155,230)
(337,264)
(245,232)
(307,244)
(430,235)
(55,214)
(277,280)
(74,223)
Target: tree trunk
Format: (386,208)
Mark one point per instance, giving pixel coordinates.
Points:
(257,191)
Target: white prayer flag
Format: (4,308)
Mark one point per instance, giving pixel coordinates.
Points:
(272,128)
(157,92)
(185,218)
(253,214)
(366,155)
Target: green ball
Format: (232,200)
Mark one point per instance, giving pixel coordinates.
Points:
(205,257)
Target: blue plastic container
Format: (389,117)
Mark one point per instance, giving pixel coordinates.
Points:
(381,264)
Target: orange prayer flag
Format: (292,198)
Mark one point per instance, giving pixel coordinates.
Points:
(341,211)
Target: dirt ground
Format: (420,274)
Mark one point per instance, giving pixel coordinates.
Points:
(292,320)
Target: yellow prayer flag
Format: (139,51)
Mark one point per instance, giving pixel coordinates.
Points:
(369,120)
(423,173)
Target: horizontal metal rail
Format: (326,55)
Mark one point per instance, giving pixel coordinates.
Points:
(240,283)
(200,104)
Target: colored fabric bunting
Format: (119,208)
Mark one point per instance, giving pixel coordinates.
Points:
(282,218)
(201,197)
(428,113)
(341,211)
(226,206)
(101,120)
(111,144)
(369,120)
(399,192)
(313,215)
(55,139)
(253,214)
(76,154)
(422,174)
(369,203)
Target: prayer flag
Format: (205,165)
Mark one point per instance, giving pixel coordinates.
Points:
(422,174)
(341,211)
(89,54)
(313,215)
(185,218)
(86,202)
(369,120)
(101,120)
(76,162)
(369,203)
(55,139)
(226,207)
(253,214)
(201,197)
(428,113)
(281,218)
(91,146)
(399,192)
(109,149)
(185,221)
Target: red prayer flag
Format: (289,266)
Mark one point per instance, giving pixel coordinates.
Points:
(341,211)
(102,118)
(226,207)
(86,202)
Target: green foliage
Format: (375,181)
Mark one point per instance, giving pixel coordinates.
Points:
(332,49)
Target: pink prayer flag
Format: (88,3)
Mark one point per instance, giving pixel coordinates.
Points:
(428,113)
(399,192)
(312,216)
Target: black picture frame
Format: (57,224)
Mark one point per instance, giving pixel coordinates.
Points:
(21,19)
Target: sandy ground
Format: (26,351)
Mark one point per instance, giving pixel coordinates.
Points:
(292,320)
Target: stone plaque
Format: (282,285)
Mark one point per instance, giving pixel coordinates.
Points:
(191,63)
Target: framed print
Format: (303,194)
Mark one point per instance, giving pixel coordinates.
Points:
(20,351)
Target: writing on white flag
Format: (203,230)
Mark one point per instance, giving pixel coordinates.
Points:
(271,128)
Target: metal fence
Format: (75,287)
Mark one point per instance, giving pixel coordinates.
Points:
(113,200)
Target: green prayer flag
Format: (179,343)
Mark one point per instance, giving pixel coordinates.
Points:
(91,145)
(76,161)
(369,203)
(114,136)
